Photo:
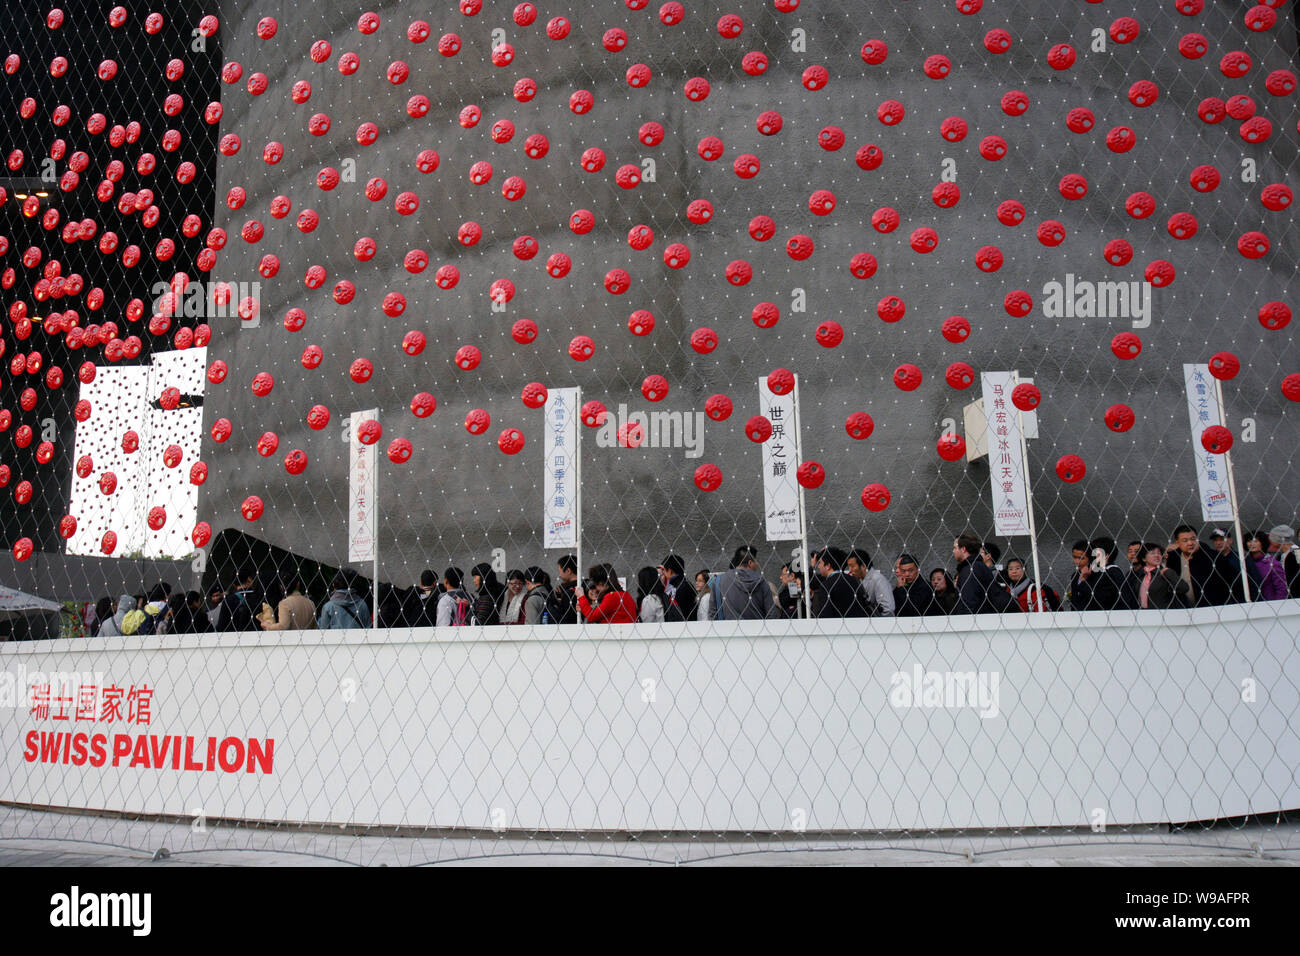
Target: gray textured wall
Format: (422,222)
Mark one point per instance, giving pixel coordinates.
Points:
(459,496)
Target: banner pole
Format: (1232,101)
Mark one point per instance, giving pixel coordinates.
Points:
(577,501)
(1232,494)
(374,550)
(1029,505)
(806,594)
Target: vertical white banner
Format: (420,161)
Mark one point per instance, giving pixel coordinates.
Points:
(1211,470)
(560,466)
(362,506)
(780,462)
(1006,458)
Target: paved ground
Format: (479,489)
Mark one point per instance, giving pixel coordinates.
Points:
(37,838)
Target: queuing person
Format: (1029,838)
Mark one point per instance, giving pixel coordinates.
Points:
(1227,567)
(1156,585)
(912,596)
(978,590)
(199,622)
(103,614)
(991,554)
(651,600)
(455,606)
(845,596)
(742,593)
(420,604)
(538,583)
(295,612)
(682,599)
(704,597)
(1096,584)
(1281,543)
(1030,595)
(1191,561)
(216,607)
(512,611)
(156,611)
(945,592)
(240,606)
(1265,567)
(345,608)
(1133,554)
(1105,553)
(489,595)
(562,605)
(877,589)
(176,618)
(603,600)
(112,627)
(789,596)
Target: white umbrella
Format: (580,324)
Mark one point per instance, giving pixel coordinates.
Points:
(14,602)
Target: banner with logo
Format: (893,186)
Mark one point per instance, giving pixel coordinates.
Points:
(1006,459)
(780,462)
(1211,470)
(560,454)
(363,509)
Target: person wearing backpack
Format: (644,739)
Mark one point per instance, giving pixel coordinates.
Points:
(344,609)
(1030,595)
(154,613)
(455,606)
(539,593)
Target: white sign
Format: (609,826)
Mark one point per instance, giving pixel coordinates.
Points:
(560,466)
(1211,470)
(363,509)
(1006,463)
(780,462)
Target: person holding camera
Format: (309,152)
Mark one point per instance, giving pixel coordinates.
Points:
(603,600)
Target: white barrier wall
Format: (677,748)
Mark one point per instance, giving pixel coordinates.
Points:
(1074,720)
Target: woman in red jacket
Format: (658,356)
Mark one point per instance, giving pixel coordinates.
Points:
(604,601)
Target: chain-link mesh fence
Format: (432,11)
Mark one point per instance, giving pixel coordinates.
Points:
(376,315)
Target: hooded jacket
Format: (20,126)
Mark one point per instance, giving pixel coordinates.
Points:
(343,610)
(741,594)
(113,626)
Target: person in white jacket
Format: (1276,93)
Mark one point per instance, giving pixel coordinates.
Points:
(872,582)
(705,606)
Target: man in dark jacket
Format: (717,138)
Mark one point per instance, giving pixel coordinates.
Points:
(842,593)
(239,612)
(913,597)
(682,599)
(1227,568)
(1097,584)
(562,605)
(1191,561)
(420,604)
(978,591)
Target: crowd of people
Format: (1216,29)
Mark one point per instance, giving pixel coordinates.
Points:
(1181,574)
